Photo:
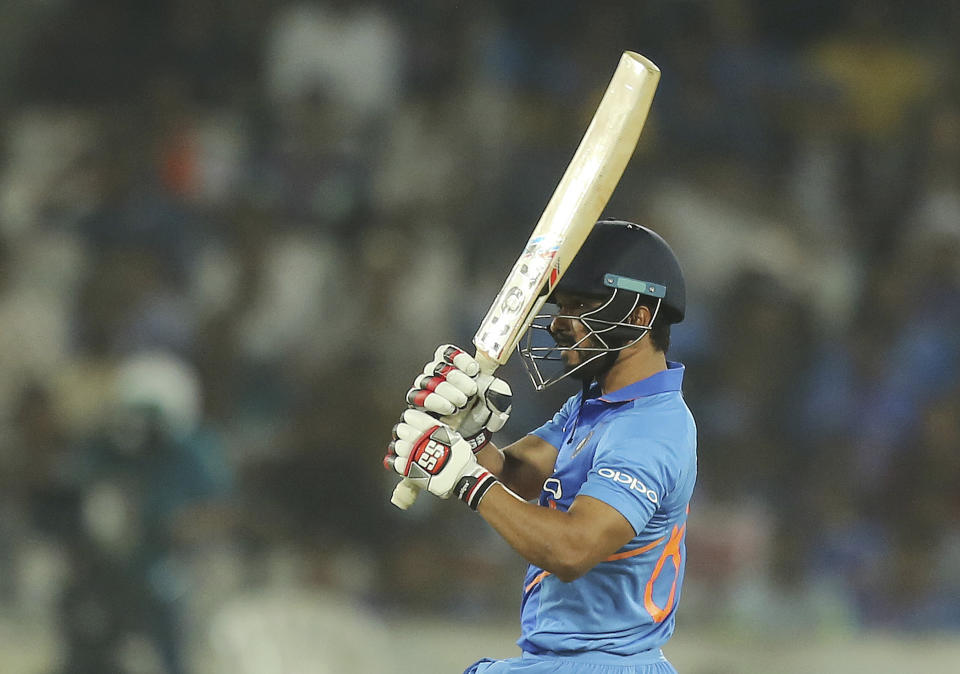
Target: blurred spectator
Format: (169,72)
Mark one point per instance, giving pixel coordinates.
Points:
(153,487)
(349,49)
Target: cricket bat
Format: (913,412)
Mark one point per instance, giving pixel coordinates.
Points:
(577,202)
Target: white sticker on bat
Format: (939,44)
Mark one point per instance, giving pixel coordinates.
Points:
(502,323)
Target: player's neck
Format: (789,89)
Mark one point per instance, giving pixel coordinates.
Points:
(632,366)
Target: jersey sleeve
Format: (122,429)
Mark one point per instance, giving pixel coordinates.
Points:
(554,430)
(631,474)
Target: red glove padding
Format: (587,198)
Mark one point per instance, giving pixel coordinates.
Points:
(452,387)
(437,458)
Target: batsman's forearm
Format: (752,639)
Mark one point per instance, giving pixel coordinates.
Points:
(547,538)
(522,466)
(522,478)
(492,458)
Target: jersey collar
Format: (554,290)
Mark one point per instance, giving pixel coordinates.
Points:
(664,381)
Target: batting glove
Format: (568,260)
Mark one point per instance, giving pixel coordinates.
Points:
(437,459)
(452,386)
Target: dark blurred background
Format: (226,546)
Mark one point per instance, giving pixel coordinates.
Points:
(232,232)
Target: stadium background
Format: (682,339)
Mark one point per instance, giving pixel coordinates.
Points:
(261,217)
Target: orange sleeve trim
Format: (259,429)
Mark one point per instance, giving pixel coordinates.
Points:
(634,552)
(612,558)
(536,581)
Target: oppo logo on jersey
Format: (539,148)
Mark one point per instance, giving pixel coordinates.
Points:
(634,483)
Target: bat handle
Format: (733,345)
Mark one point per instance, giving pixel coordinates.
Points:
(406,492)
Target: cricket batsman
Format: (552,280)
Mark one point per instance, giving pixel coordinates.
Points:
(596,499)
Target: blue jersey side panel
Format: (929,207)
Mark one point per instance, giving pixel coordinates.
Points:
(638,455)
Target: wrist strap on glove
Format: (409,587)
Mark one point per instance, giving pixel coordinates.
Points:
(472,487)
(479,441)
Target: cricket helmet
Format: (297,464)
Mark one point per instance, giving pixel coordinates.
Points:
(623,264)
(626,256)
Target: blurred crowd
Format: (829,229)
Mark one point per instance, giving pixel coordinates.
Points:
(232,232)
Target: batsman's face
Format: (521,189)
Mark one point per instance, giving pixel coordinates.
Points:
(566,330)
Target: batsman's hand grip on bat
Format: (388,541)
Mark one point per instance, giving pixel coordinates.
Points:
(438,459)
(455,389)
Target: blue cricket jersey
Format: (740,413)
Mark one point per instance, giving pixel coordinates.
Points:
(634,449)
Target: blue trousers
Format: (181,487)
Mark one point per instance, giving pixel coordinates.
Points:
(651,662)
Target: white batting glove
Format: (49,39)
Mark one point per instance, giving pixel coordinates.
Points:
(437,459)
(451,386)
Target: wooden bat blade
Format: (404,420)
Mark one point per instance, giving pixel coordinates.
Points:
(577,202)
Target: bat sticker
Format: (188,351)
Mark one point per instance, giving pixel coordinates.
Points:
(535,268)
(554,275)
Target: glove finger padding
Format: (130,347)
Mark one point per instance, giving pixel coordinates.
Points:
(491,411)
(447,372)
(390,458)
(453,388)
(430,402)
(442,389)
(457,357)
(408,432)
(420,421)
(498,397)
(426,384)
(495,393)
